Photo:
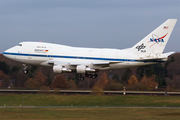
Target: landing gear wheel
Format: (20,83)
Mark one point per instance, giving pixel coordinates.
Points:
(82,78)
(25,68)
(86,75)
(25,71)
(90,76)
(94,76)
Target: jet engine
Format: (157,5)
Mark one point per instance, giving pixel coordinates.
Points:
(81,69)
(60,69)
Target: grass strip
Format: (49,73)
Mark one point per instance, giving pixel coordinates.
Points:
(88,100)
(90,114)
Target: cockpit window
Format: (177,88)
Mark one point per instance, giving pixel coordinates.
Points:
(19,45)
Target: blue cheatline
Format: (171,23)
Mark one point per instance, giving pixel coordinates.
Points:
(78,57)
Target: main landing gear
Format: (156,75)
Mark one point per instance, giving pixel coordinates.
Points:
(80,77)
(93,76)
(25,68)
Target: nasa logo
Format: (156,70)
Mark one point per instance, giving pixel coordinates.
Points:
(157,39)
(140,47)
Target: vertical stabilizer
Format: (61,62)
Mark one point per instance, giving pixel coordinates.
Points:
(155,42)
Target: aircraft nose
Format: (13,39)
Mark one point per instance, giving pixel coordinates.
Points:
(9,53)
(6,52)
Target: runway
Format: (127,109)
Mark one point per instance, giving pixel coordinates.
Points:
(89,92)
(85,107)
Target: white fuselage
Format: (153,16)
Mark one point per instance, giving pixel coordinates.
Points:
(38,53)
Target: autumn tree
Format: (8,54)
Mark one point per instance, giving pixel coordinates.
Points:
(149,82)
(36,82)
(133,80)
(126,75)
(15,69)
(21,79)
(115,77)
(31,83)
(147,70)
(157,69)
(114,85)
(6,81)
(40,79)
(172,65)
(174,83)
(173,69)
(2,75)
(160,73)
(0,83)
(59,82)
(102,81)
(71,84)
(4,67)
(100,84)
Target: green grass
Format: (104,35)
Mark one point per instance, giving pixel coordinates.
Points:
(88,100)
(90,114)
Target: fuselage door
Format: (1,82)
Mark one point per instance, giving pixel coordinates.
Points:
(30,56)
(50,57)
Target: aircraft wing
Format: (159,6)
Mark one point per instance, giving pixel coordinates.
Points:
(80,63)
(81,67)
(56,62)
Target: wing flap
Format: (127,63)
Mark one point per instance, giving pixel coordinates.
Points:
(104,63)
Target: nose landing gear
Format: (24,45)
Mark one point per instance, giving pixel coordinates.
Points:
(25,68)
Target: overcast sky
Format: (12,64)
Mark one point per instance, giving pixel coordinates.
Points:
(86,23)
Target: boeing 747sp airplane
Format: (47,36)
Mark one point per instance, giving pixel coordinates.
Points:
(88,61)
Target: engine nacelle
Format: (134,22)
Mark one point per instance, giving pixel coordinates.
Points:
(57,69)
(81,69)
(60,69)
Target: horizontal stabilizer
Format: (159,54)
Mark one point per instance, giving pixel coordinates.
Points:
(169,53)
